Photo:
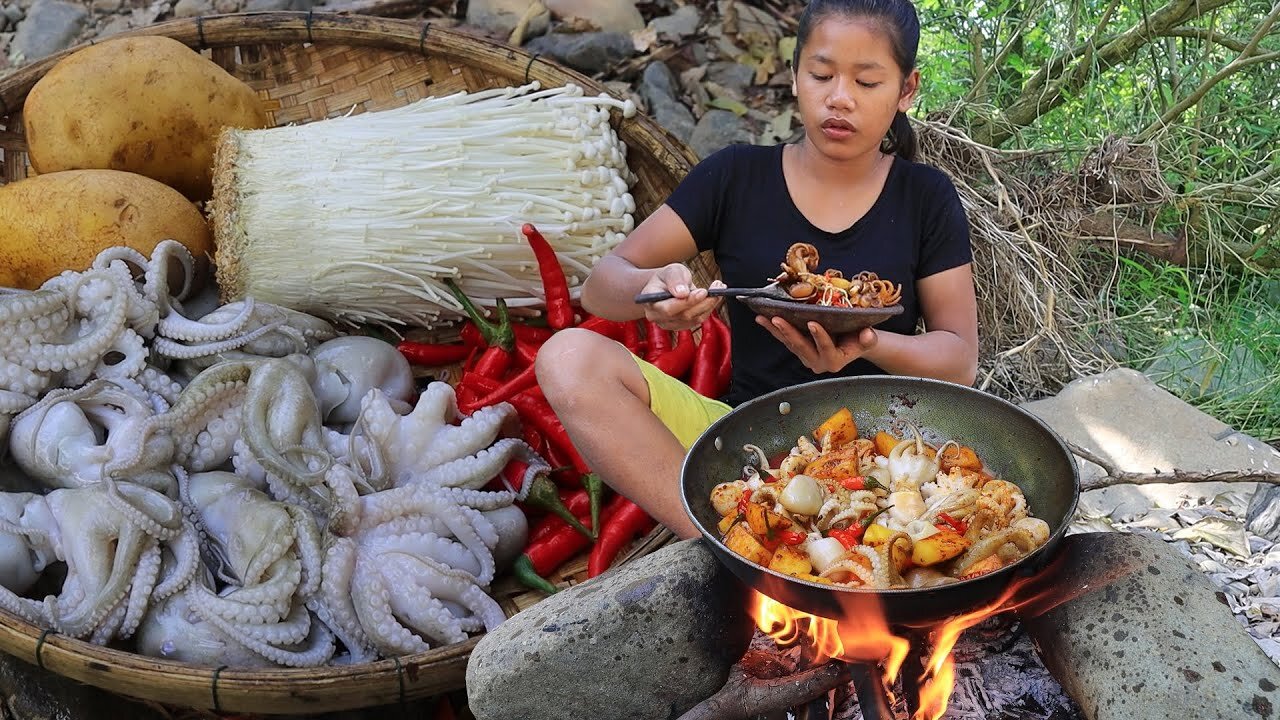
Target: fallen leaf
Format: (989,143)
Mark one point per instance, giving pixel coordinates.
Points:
(787,49)
(778,129)
(1228,535)
(644,38)
(729,104)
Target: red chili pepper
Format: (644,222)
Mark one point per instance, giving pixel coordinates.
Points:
(659,341)
(608,328)
(704,378)
(546,554)
(479,384)
(578,502)
(493,363)
(431,355)
(531,437)
(791,537)
(626,521)
(520,382)
(500,335)
(742,501)
(534,409)
(565,474)
(853,535)
(467,397)
(533,335)
(677,361)
(555,285)
(724,374)
(631,339)
(858,482)
(959,526)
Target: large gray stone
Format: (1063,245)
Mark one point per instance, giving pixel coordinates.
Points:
(620,16)
(50,26)
(34,694)
(1126,419)
(718,129)
(1144,635)
(590,52)
(648,640)
(1193,368)
(659,89)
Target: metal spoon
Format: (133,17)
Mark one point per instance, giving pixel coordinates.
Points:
(773,290)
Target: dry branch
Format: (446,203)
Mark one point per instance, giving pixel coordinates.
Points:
(745,696)
(1115,476)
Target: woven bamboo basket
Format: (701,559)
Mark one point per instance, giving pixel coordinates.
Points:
(306,67)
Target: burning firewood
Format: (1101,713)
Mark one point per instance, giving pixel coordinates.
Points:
(762,682)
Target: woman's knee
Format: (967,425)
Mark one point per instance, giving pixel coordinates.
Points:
(576,362)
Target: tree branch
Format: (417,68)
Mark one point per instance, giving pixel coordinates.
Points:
(1226,41)
(1115,476)
(744,697)
(1070,72)
(1244,59)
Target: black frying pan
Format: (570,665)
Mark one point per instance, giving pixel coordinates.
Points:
(1014,444)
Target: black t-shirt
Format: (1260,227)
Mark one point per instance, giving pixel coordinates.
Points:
(736,204)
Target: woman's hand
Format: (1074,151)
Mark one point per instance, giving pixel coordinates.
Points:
(817,350)
(689,304)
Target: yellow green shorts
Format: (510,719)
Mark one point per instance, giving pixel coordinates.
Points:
(683,411)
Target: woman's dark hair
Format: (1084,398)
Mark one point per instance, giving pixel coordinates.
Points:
(899,20)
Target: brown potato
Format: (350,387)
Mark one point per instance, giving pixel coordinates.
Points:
(790,561)
(148,105)
(741,541)
(837,430)
(764,522)
(959,456)
(834,465)
(885,443)
(62,220)
(943,546)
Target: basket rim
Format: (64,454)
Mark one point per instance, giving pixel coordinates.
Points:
(285,27)
(325,688)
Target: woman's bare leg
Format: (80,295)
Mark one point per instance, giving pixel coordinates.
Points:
(602,398)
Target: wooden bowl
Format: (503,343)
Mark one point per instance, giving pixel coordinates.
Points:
(835,320)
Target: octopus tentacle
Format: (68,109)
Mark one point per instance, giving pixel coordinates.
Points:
(156,279)
(336,596)
(86,349)
(480,499)
(15,403)
(158,382)
(265,602)
(110,624)
(292,627)
(85,614)
(186,562)
(372,602)
(282,419)
(319,650)
(27,305)
(144,582)
(19,379)
(446,583)
(475,471)
(172,349)
(155,514)
(308,545)
(132,353)
(221,383)
(175,326)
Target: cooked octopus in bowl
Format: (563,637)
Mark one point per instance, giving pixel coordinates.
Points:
(831,288)
(878,512)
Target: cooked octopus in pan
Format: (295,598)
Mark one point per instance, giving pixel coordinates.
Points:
(878,512)
(831,288)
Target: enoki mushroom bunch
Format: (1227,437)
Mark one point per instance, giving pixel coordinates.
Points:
(360,218)
(801,281)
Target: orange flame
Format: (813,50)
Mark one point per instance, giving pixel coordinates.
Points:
(862,634)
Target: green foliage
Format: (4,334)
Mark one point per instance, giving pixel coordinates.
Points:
(980,58)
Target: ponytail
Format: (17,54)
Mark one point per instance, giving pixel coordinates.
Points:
(901,139)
